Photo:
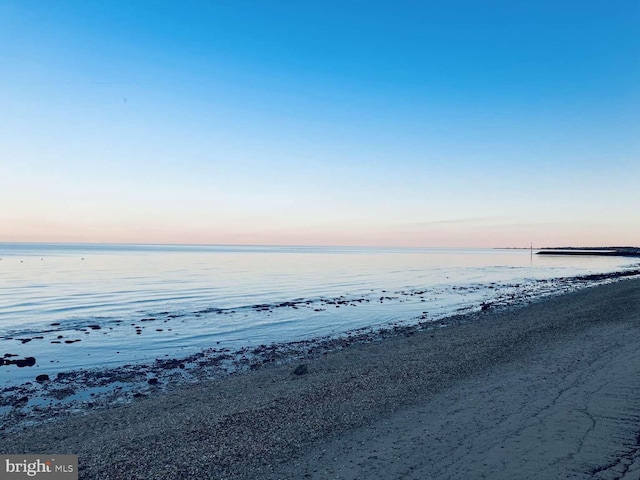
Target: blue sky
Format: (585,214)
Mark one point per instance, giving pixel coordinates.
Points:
(350,123)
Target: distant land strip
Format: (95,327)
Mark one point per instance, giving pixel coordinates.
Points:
(600,251)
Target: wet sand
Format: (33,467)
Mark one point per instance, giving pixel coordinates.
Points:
(549,390)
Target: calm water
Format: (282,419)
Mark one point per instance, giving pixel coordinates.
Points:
(185,298)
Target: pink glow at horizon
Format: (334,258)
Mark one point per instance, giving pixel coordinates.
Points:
(461,235)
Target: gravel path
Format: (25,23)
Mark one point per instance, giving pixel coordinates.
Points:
(549,390)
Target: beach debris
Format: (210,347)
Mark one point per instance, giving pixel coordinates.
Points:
(301,370)
(42,378)
(21,402)
(61,393)
(169,363)
(20,363)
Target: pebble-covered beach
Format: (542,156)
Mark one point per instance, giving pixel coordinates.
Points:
(45,396)
(548,390)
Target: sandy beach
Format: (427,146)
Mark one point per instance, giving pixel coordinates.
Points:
(548,390)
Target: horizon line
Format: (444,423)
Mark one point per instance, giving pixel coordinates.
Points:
(528,247)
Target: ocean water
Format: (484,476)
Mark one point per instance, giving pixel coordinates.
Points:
(88,306)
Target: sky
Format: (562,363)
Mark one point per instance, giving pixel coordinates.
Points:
(405,123)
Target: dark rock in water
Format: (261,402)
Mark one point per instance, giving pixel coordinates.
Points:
(55,324)
(94,327)
(42,378)
(26,362)
(7,355)
(25,340)
(485,306)
(139,395)
(301,370)
(152,381)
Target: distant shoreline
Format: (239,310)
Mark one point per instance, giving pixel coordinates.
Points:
(596,251)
